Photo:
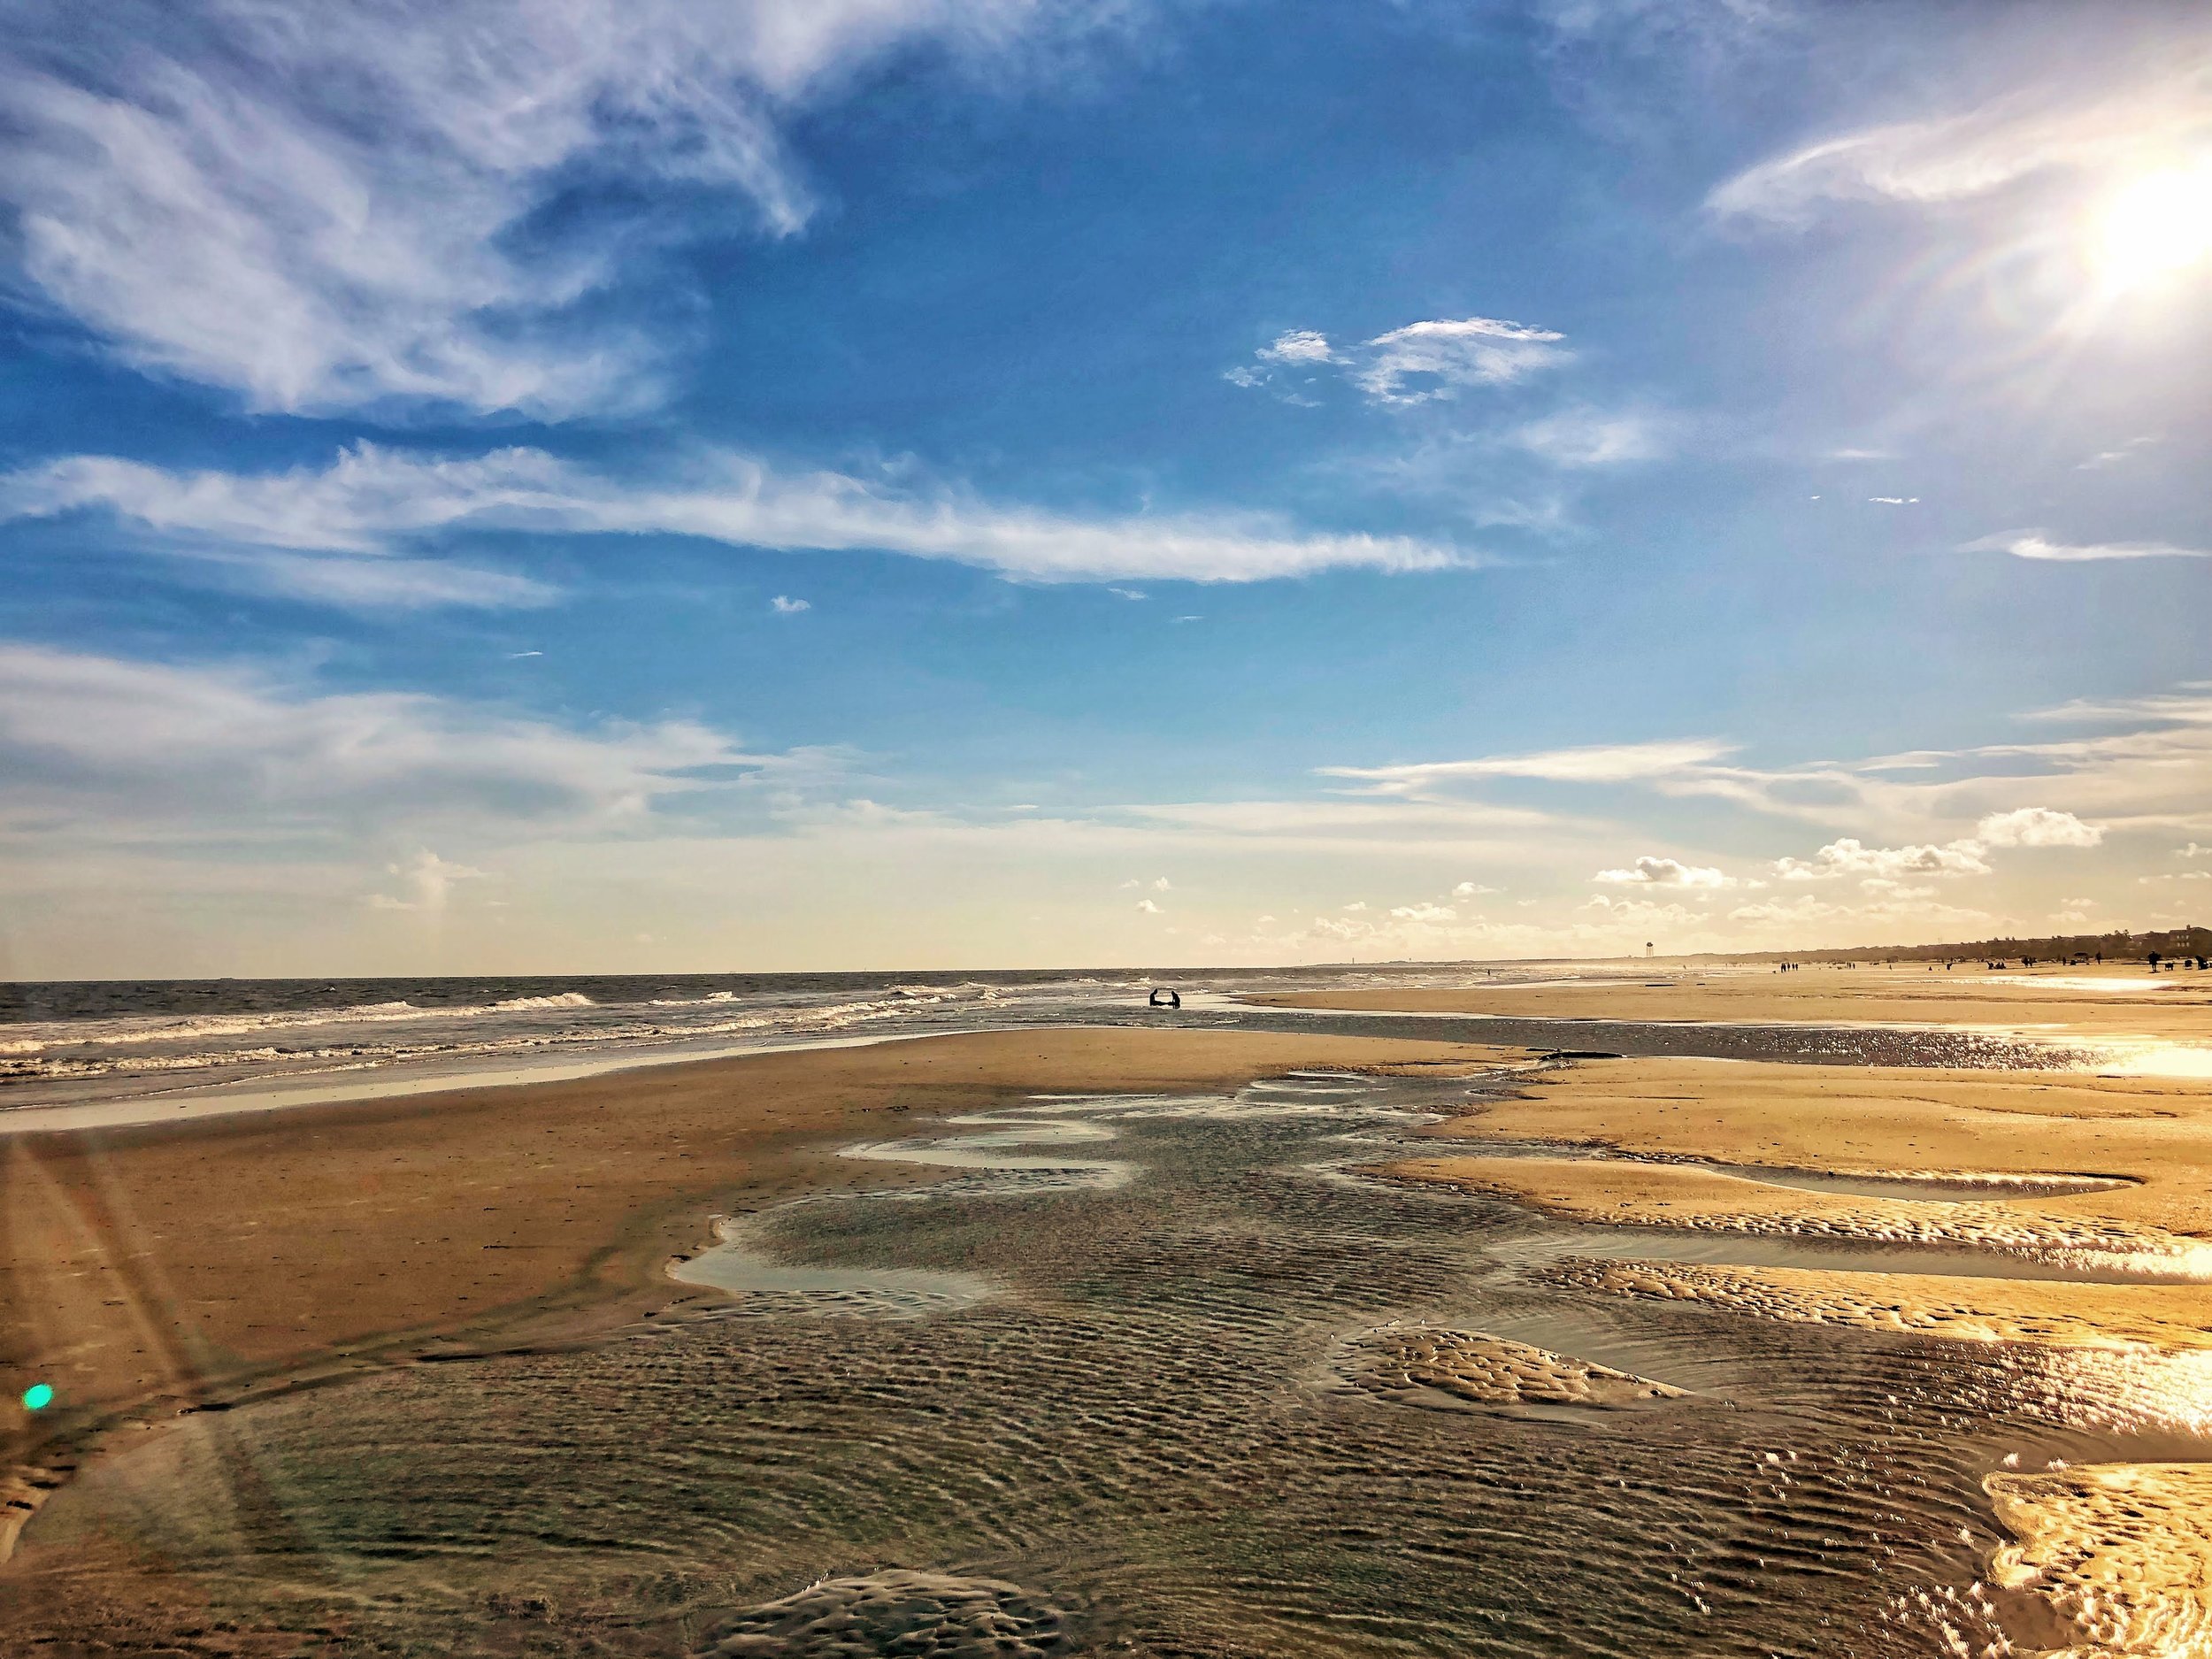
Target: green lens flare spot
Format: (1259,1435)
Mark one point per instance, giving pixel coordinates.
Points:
(38,1396)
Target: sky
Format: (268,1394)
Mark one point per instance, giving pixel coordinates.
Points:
(510,486)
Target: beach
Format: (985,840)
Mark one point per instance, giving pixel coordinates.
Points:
(2118,1000)
(1048,1336)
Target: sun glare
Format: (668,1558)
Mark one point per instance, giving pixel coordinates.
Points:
(2157,228)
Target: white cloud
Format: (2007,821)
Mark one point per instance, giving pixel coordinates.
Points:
(1602,763)
(356,212)
(428,880)
(785,606)
(1426,362)
(370,584)
(2034,544)
(1147,906)
(371,498)
(1422,362)
(1850,858)
(149,749)
(1297,345)
(1894,501)
(1160,884)
(1592,438)
(1128,592)
(1957,156)
(2037,827)
(1427,914)
(1470,889)
(1665,872)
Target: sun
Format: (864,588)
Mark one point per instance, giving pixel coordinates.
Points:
(2156,227)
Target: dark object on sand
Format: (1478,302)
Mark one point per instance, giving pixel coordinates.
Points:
(1162,997)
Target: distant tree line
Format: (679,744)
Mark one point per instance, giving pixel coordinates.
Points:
(2174,944)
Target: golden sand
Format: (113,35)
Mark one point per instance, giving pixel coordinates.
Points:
(1675,1195)
(1879,1122)
(2172,1007)
(2155,1133)
(1427,1364)
(2048,1313)
(2121,1552)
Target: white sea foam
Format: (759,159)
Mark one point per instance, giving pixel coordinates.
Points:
(135,1030)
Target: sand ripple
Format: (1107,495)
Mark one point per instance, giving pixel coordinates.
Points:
(1627,1192)
(2169,1318)
(929,1615)
(1434,1366)
(2121,1552)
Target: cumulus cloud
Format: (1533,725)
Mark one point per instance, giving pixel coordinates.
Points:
(1421,363)
(1664,872)
(397,202)
(1425,913)
(2037,827)
(1963,154)
(783,605)
(373,499)
(1298,345)
(1147,906)
(428,881)
(1470,889)
(1851,857)
(2034,544)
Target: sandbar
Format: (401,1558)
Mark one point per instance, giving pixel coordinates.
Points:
(2166,1318)
(2171,1008)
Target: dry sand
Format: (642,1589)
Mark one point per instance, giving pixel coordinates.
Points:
(2168,1006)
(192,1261)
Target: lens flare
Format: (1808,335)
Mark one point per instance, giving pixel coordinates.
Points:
(2157,228)
(38,1396)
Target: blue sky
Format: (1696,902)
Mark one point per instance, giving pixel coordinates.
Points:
(570,484)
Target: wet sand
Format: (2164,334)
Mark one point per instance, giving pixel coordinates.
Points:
(2153,1135)
(2129,1003)
(2161,1318)
(1437,1367)
(186,1263)
(1021,1397)
(2121,1553)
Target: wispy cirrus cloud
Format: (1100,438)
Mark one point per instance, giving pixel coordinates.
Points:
(371,501)
(1602,763)
(2036,544)
(1964,154)
(89,742)
(360,211)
